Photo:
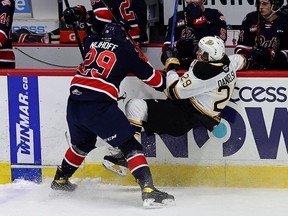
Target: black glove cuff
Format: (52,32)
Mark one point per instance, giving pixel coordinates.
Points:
(168,53)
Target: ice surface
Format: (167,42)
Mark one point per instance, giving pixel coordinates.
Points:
(93,198)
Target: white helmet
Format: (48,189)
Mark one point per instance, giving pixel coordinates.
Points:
(212,48)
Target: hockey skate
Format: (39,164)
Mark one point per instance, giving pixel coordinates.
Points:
(116,162)
(153,198)
(61,182)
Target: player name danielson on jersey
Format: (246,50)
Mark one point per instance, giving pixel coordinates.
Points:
(227,79)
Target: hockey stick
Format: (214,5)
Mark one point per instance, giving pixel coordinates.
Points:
(258,23)
(117,19)
(185,19)
(67,138)
(76,33)
(60,9)
(172,38)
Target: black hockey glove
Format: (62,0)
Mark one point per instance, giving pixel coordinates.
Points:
(263,56)
(187,48)
(172,63)
(193,11)
(74,14)
(249,64)
(195,16)
(168,53)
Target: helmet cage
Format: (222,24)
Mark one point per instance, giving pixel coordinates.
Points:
(204,55)
(276,5)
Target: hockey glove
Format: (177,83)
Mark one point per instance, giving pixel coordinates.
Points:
(74,14)
(248,64)
(195,16)
(172,63)
(263,56)
(187,48)
(168,53)
(193,11)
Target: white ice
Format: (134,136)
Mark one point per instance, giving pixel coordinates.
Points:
(93,198)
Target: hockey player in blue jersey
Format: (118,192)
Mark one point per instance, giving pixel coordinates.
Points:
(132,13)
(263,39)
(7,56)
(92,110)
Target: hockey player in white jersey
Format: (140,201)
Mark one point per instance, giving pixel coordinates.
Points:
(198,96)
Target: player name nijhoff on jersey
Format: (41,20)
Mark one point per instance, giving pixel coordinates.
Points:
(104,45)
(227,79)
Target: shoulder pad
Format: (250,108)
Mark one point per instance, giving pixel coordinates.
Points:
(206,70)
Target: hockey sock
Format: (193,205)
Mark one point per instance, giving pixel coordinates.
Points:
(137,127)
(137,162)
(139,168)
(72,161)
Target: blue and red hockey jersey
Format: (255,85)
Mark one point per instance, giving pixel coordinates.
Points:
(107,62)
(7,58)
(123,8)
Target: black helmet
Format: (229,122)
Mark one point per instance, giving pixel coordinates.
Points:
(114,30)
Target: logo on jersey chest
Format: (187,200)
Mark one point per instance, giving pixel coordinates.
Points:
(265,43)
(76,92)
(180,23)
(187,33)
(199,21)
(253,28)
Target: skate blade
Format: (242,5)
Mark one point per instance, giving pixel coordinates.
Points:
(149,203)
(119,170)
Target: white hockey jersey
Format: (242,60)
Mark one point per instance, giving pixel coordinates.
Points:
(209,86)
